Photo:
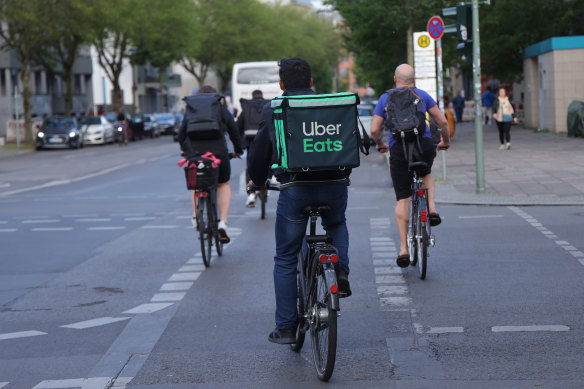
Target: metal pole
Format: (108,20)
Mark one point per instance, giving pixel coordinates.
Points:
(17,114)
(440,94)
(476,78)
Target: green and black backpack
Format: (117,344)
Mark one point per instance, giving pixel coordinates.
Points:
(318,132)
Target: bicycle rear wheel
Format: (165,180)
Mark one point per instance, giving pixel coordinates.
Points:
(412,229)
(422,241)
(205,232)
(264,199)
(300,332)
(212,212)
(323,330)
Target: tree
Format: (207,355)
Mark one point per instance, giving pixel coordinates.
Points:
(379,33)
(23,32)
(66,31)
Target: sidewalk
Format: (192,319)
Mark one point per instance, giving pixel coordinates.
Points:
(540,169)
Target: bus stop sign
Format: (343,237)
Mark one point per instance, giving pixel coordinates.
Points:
(436,27)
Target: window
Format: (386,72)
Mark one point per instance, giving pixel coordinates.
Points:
(38,82)
(3,82)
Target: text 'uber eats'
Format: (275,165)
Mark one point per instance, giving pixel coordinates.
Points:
(310,145)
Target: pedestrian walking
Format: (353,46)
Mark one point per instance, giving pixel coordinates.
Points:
(503,114)
(458,103)
(487,99)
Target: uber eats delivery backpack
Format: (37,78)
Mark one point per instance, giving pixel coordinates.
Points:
(251,112)
(203,116)
(318,132)
(405,113)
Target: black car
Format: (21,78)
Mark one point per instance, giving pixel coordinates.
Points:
(59,132)
(151,126)
(137,125)
(179,119)
(167,123)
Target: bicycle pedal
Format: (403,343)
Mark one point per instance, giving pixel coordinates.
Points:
(432,241)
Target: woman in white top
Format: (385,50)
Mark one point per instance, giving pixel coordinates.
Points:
(503,115)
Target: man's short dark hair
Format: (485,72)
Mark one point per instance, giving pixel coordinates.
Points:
(257,94)
(206,89)
(295,73)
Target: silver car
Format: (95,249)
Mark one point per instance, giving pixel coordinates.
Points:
(366,115)
(97,130)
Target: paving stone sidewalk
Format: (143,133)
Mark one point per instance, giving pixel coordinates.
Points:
(540,169)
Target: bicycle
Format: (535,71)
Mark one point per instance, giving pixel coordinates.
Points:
(419,231)
(318,296)
(208,227)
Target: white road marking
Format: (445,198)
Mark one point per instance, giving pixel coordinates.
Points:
(127,214)
(383,248)
(184,217)
(81,216)
(7,229)
(83,383)
(562,242)
(395,301)
(195,260)
(141,218)
(577,254)
(53,229)
(148,308)
(384,254)
(3,384)
(22,334)
(160,297)
(95,322)
(390,290)
(94,220)
(387,270)
(383,262)
(445,330)
(534,328)
(389,280)
(40,221)
(160,227)
(192,276)
(173,286)
(480,216)
(106,228)
(377,240)
(3,222)
(187,268)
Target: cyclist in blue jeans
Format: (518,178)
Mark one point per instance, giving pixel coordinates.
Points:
(297,191)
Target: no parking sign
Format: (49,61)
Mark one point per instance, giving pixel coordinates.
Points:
(436,27)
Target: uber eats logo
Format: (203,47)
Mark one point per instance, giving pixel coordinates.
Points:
(314,134)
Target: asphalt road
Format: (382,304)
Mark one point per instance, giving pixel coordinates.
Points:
(102,285)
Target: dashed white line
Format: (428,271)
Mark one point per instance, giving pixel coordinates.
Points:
(190,276)
(112,228)
(387,270)
(93,383)
(395,301)
(148,308)
(161,297)
(189,268)
(481,216)
(389,280)
(82,215)
(7,229)
(40,221)
(53,229)
(160,227)
(445,330)
(390,290)
(21,334)
(3,384)
(532,328)
(195,260)
(94,220)
(94,322)
(141,218)
(174,286)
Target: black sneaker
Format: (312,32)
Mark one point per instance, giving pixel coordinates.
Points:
(286,335)
(343,281)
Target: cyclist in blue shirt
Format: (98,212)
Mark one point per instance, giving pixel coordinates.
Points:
(400,175)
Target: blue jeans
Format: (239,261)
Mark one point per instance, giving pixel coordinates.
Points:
(290,231)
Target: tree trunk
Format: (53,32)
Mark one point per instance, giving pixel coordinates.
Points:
(68,78)
(26,102)
(117,98)
(410,40)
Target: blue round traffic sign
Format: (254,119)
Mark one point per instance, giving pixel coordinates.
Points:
(436,27)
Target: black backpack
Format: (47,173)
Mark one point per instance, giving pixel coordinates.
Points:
(251,112)
(203,116)
(406,118)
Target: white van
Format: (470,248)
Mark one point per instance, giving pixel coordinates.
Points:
(249,76)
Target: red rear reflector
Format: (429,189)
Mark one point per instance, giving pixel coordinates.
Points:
(424,215)
(204,194)
(323,258)
(334,289)
(334,258)
(197,194)
(421,192)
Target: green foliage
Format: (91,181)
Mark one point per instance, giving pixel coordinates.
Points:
(505,34)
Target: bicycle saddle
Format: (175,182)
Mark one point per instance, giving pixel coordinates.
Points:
(315,209)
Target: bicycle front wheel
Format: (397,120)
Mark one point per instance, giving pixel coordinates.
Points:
(214,230)
(263,200)
(323,330)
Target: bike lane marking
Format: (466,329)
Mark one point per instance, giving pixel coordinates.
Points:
(532,328)
(578,254)
(21,334)
(94,322)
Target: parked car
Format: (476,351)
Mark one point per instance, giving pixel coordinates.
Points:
(151,126)
(179,119)
(365,112)
(59,132)
(166,123)
(137,124)
(97,130)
